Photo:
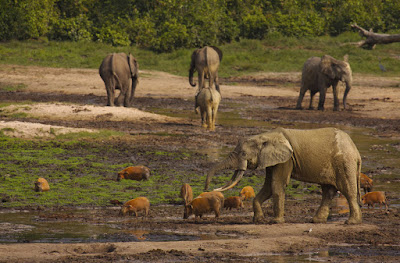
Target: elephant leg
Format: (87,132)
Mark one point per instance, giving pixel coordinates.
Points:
(264,194)
(201,80)
(120,98)
(110,94)
(216,81)
(214,116)
(209,117)
(349,188)
(280,179)
(127,97)
(328,193)
(203,118)
(335,96)
(133,89)
(310,107)
(300,99)
(322,95)
(196,104)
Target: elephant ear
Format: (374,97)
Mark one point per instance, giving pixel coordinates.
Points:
(133,66)
(275,149)
(327,66)
(219,51)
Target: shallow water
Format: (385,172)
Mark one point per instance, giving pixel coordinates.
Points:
(29,227)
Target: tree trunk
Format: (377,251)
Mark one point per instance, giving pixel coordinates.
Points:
(374,38)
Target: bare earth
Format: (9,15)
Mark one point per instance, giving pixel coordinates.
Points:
(70,100)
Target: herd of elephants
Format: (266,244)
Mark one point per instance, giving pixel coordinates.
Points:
(326,156)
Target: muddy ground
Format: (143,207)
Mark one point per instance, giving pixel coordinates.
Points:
(258,103)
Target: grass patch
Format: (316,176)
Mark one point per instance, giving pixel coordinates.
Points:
(12,87)
(274,54)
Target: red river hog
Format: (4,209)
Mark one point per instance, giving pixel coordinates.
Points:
(217,194)
(136,205)
(137,173)
(202,205)
(247,193)
(186,193)
(233,202)
(372,198)
(365,183)
(41,185)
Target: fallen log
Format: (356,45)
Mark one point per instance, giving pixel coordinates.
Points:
(373,38)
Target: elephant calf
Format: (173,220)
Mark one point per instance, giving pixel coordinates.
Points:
(319,74)
(208,100)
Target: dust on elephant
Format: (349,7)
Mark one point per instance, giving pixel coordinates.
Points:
(319,74)
(120,71)
(208,100)
(323,156)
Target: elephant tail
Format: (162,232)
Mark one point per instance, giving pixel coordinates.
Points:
(116,84)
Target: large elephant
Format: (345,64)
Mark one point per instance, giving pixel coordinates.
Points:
(208,100)
(120,71)
(319,74)
(323,156)
(206,62)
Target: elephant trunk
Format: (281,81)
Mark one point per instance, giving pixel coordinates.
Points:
(226,164)
(346,91)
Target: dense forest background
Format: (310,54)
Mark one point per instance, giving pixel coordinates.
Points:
(166,25)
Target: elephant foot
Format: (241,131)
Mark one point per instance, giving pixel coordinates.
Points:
(310,108)
(353,221)
(278,220)
(318,220)
(257,219)
(321,108)
(336,109)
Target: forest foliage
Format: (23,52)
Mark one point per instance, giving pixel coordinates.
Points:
(166,25)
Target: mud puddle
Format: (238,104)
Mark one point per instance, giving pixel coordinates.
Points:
(79,226)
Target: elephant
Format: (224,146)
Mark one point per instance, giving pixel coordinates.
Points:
(319,74)
(208,100)
(120,71)
(206,61)
(324,156)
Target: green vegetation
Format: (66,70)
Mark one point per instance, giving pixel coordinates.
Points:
(274,54)
(82,172)
(167,25)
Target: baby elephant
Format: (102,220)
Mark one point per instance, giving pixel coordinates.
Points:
(208,100)
(203,205)
(137,173)
(41,185)
(233,202)
(136,205)
(372,198)
(247,193)
(366,183)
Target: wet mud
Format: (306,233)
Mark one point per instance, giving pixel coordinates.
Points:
(238,117)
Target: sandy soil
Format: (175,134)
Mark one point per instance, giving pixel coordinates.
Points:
(70,100)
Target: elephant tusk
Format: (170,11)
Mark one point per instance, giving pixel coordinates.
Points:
(235,178)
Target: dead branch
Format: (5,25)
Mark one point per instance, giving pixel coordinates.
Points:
(373,38)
